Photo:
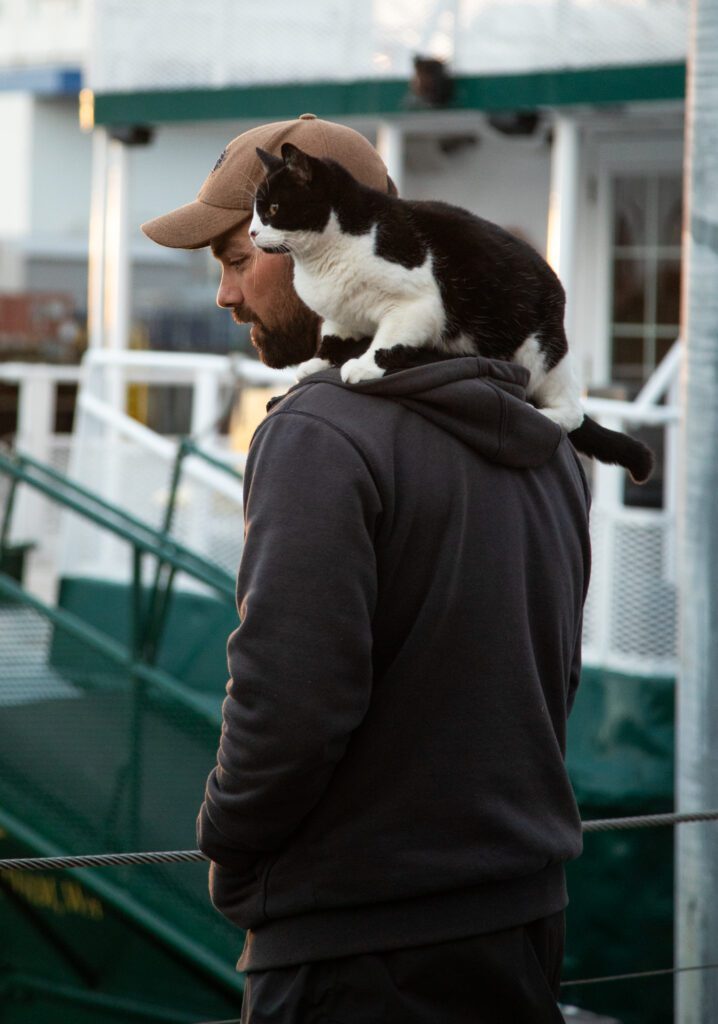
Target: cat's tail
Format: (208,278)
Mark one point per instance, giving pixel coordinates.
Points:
(613,447)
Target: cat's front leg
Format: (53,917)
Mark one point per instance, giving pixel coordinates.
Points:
(418,324)
(337,343)
(313,365)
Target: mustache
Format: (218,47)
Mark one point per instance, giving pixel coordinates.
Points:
(245,315)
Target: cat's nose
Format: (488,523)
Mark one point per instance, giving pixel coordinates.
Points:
(253,233)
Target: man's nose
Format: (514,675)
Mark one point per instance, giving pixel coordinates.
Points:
(229,293)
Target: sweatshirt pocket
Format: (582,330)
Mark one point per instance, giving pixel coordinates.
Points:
(239,896)
(288,884)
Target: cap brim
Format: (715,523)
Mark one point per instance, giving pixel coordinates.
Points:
(193,226)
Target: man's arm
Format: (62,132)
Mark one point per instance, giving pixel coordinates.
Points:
(575,672)
(300,662)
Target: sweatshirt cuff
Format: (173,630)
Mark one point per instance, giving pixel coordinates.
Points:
(214,844)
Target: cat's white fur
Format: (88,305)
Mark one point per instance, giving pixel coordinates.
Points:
(556,391)
(393,305)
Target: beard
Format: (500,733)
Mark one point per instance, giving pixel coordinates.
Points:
(292,338)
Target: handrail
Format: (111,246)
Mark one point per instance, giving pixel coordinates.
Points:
(116,521)
(208,474)
(644,408)
(661,378)
(629,411)
(14,371)
(111,649)
(185,365)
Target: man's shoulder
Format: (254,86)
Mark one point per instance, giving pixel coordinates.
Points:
(330,401)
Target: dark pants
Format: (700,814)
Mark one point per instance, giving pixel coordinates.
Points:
(506,977)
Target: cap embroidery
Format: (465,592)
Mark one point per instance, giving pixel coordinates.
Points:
(220,159)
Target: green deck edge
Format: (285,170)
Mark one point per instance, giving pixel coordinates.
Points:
(127,905)
(594,86)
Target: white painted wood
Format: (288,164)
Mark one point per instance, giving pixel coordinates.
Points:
(97,233)
(563,209)
(390,144)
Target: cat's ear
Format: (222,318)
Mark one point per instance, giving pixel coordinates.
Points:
(298,162)
(272,163)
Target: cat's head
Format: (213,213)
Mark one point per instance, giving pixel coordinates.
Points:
(293,202)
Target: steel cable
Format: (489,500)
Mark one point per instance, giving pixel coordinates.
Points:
(569,983)
(636,974)
(179,856)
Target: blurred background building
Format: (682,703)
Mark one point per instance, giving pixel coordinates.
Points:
(562,120)
(523,76)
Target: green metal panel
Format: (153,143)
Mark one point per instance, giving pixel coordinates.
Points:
(71,955)
(620,918)
(109,756)
(607,85)
(193,647)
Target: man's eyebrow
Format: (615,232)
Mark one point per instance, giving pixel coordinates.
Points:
(224,251)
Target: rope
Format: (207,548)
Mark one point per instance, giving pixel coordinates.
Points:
(179,856)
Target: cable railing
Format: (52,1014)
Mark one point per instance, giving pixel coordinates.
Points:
(100,860)
(187,856)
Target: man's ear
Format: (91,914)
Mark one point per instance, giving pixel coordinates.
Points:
(272,163)
(298,162)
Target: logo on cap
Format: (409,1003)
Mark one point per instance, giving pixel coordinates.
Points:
(220,159)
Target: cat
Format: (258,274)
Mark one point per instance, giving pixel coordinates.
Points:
(399,281)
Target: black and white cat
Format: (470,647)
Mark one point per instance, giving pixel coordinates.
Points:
(395,280)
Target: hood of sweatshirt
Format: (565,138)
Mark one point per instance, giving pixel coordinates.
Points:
(480,401)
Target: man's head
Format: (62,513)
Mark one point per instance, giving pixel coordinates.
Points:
(257,286)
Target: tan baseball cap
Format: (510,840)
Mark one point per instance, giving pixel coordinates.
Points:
(227,195)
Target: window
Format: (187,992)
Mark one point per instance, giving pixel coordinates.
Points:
(646,274)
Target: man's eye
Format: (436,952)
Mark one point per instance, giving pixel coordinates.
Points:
(273,209)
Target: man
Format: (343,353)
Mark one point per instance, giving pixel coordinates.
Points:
(390,813)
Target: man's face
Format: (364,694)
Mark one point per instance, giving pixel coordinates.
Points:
(257,287)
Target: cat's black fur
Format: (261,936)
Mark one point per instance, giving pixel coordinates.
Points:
(495,290)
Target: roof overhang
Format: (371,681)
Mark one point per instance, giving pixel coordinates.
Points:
(383,98)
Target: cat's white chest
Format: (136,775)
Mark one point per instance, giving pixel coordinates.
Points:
(349,284)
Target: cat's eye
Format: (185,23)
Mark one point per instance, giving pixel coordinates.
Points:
(273,209)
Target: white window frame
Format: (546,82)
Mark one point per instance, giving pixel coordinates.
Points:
(628,150)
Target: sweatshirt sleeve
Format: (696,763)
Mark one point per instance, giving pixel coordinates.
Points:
(575,675)
(301,660)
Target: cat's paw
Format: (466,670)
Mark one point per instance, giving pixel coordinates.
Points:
(312,366)
(356,370)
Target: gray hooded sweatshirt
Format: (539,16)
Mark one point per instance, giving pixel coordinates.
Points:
(391,767)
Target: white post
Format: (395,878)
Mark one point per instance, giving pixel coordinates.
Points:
(697,708)
(390,146)
(35,423)
(563,213)
(96,260)
(607,506)
(117,267)
(116,327)
(205,402)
